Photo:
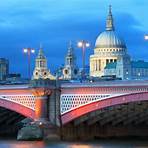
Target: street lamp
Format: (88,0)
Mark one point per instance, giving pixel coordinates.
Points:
(127,75)
(28,51)
(146,37)
(83,44)
(139,74)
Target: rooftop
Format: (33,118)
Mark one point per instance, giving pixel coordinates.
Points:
(111,65)
(139,64)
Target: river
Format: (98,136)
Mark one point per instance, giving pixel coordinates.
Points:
(93,144)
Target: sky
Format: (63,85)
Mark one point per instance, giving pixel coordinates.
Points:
(54,23)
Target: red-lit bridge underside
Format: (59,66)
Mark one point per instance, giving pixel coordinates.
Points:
(97,106)
(25,111)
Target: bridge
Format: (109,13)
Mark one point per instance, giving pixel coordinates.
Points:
(25,100)
(105,103)
(105,108)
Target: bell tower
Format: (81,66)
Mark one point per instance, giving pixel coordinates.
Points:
(41,70)
(70,70)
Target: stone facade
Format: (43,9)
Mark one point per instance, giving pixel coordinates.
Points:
(41,71)
(127,69)
(4,68)
(70,70)
(111,58)
(108,48)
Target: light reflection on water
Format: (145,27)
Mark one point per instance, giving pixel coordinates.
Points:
(93,144)
(22,144)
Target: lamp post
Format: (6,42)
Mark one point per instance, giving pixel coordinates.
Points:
(127,75)
(28,51)
(139,74)
(146,37)
(83,44)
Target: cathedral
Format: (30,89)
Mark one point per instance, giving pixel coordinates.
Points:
(111,57)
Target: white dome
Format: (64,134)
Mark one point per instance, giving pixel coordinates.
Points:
(108,39)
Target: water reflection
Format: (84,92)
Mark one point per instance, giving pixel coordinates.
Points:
(84,146)
(22,144)
(94,144)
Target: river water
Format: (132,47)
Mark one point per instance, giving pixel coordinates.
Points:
(93,144)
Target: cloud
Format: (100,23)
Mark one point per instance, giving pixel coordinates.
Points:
(131,30)
(54,23)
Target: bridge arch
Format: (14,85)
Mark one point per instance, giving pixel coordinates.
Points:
(14,106)
(101,104)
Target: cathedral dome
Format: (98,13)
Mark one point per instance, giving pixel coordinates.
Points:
(108,39)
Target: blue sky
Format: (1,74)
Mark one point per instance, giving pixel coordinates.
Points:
(54,23)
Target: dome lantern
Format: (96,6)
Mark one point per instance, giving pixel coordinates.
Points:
(109,21)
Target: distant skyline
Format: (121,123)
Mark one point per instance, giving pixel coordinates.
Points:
(54,23)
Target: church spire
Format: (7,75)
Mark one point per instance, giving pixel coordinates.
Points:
(109,21)
(70,49)
(70,70)
(41,54)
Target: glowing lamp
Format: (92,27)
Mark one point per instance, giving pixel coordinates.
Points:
(146,37)
(25,50)
(32,51)
(80,44)
(87,44)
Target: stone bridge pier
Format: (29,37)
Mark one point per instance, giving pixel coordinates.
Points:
(41,104)
(46,122)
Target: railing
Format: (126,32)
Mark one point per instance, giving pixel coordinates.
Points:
(106,83)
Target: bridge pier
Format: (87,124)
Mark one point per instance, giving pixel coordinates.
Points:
(41,113)
(41,104)
(42,127)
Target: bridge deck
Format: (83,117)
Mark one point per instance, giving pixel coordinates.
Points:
(105,84)
(24,86)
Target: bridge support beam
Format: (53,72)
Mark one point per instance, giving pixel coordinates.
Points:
(41,104)
(41,108)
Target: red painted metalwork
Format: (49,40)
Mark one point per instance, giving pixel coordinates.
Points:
(85,109)
(27,112)
(23,109)
(102,89)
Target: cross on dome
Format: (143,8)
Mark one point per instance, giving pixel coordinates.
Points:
(109,21)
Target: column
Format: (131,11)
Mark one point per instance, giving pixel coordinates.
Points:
(99,65)
(41,103)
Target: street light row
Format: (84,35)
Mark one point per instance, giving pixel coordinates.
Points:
(83,44)
(28,51)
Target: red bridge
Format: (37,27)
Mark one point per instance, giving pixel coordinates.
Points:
(101,102)
(105,102)
(82,108)
(29,102)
